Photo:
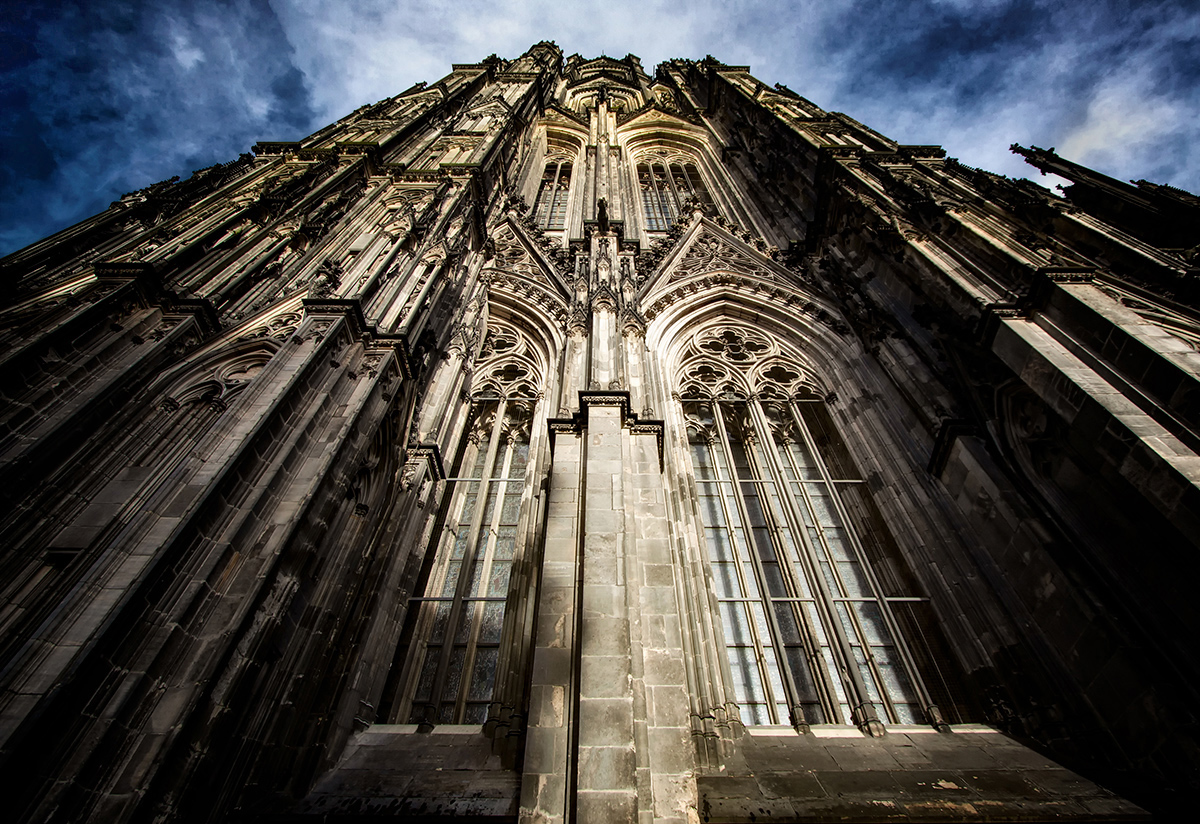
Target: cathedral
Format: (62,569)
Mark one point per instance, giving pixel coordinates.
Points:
(562,442)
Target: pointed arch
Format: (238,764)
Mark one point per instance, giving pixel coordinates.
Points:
(820,620)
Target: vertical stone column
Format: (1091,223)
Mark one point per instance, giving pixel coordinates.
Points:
(662,712)
(606,783)
(546,789)
(609,736)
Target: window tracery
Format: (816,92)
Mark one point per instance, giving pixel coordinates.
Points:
(809,631)
(730,361)
(509,367)
(455,625)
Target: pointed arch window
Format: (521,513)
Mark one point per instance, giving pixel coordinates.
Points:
(665,185)
(821,622)
(451,653)
(551,211)
(456,623)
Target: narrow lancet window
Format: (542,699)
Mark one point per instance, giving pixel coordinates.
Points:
(821,622)
(452,666)
(665,187)
(551,211)
(806,635)
(455,624)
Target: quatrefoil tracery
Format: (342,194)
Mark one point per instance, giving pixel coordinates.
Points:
(508,365)
(735,362)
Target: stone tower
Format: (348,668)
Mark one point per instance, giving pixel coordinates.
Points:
(564,443)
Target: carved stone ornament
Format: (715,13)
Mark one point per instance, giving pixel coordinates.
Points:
(735,361)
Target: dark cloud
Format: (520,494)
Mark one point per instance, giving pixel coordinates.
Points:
(1114,84)
(100,97)
(103,97)
(963,48)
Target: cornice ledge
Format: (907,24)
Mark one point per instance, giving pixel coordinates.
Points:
(577,423)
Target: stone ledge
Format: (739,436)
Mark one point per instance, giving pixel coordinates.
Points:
(973,774)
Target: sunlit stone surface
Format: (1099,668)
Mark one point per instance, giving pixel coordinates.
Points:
(559,442)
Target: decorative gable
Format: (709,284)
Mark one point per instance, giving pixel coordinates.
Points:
(706,248)
(518,265)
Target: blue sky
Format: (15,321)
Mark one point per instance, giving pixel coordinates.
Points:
(99,98)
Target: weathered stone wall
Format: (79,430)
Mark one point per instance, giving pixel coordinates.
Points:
(233,407)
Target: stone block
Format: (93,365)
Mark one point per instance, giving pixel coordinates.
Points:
(600,473)
(658,575)
(674,798)
(601,570)
(605,676)
(860,783)
(670,750)
(663,667)
(606,768)
(792,784)
(863,754)
(606,807)
(602,520)
(658,600)
(1062,782)
(98,514)
(719,802)
(605,722)
(667,706)
(552,666)
(1000,784)
(606,636)
(545,750)
(651,528)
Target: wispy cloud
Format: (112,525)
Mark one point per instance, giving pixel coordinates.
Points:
(101,97)
(114,96)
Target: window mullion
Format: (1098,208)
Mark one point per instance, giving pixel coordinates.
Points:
(675,196)
(473,606)
(770,475)
(851,616)
(552,194)
(654,194)
(665,198)
(756,565)
(427,608)
(660,202)
(560,196)
(810,570)
(826,607)
(897,637)
(466,573)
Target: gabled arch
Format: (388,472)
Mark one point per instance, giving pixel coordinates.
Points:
(222,374)
(709,256)
(523,334)
(520,276)
(808,338)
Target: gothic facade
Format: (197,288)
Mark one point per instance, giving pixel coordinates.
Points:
(560,442)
